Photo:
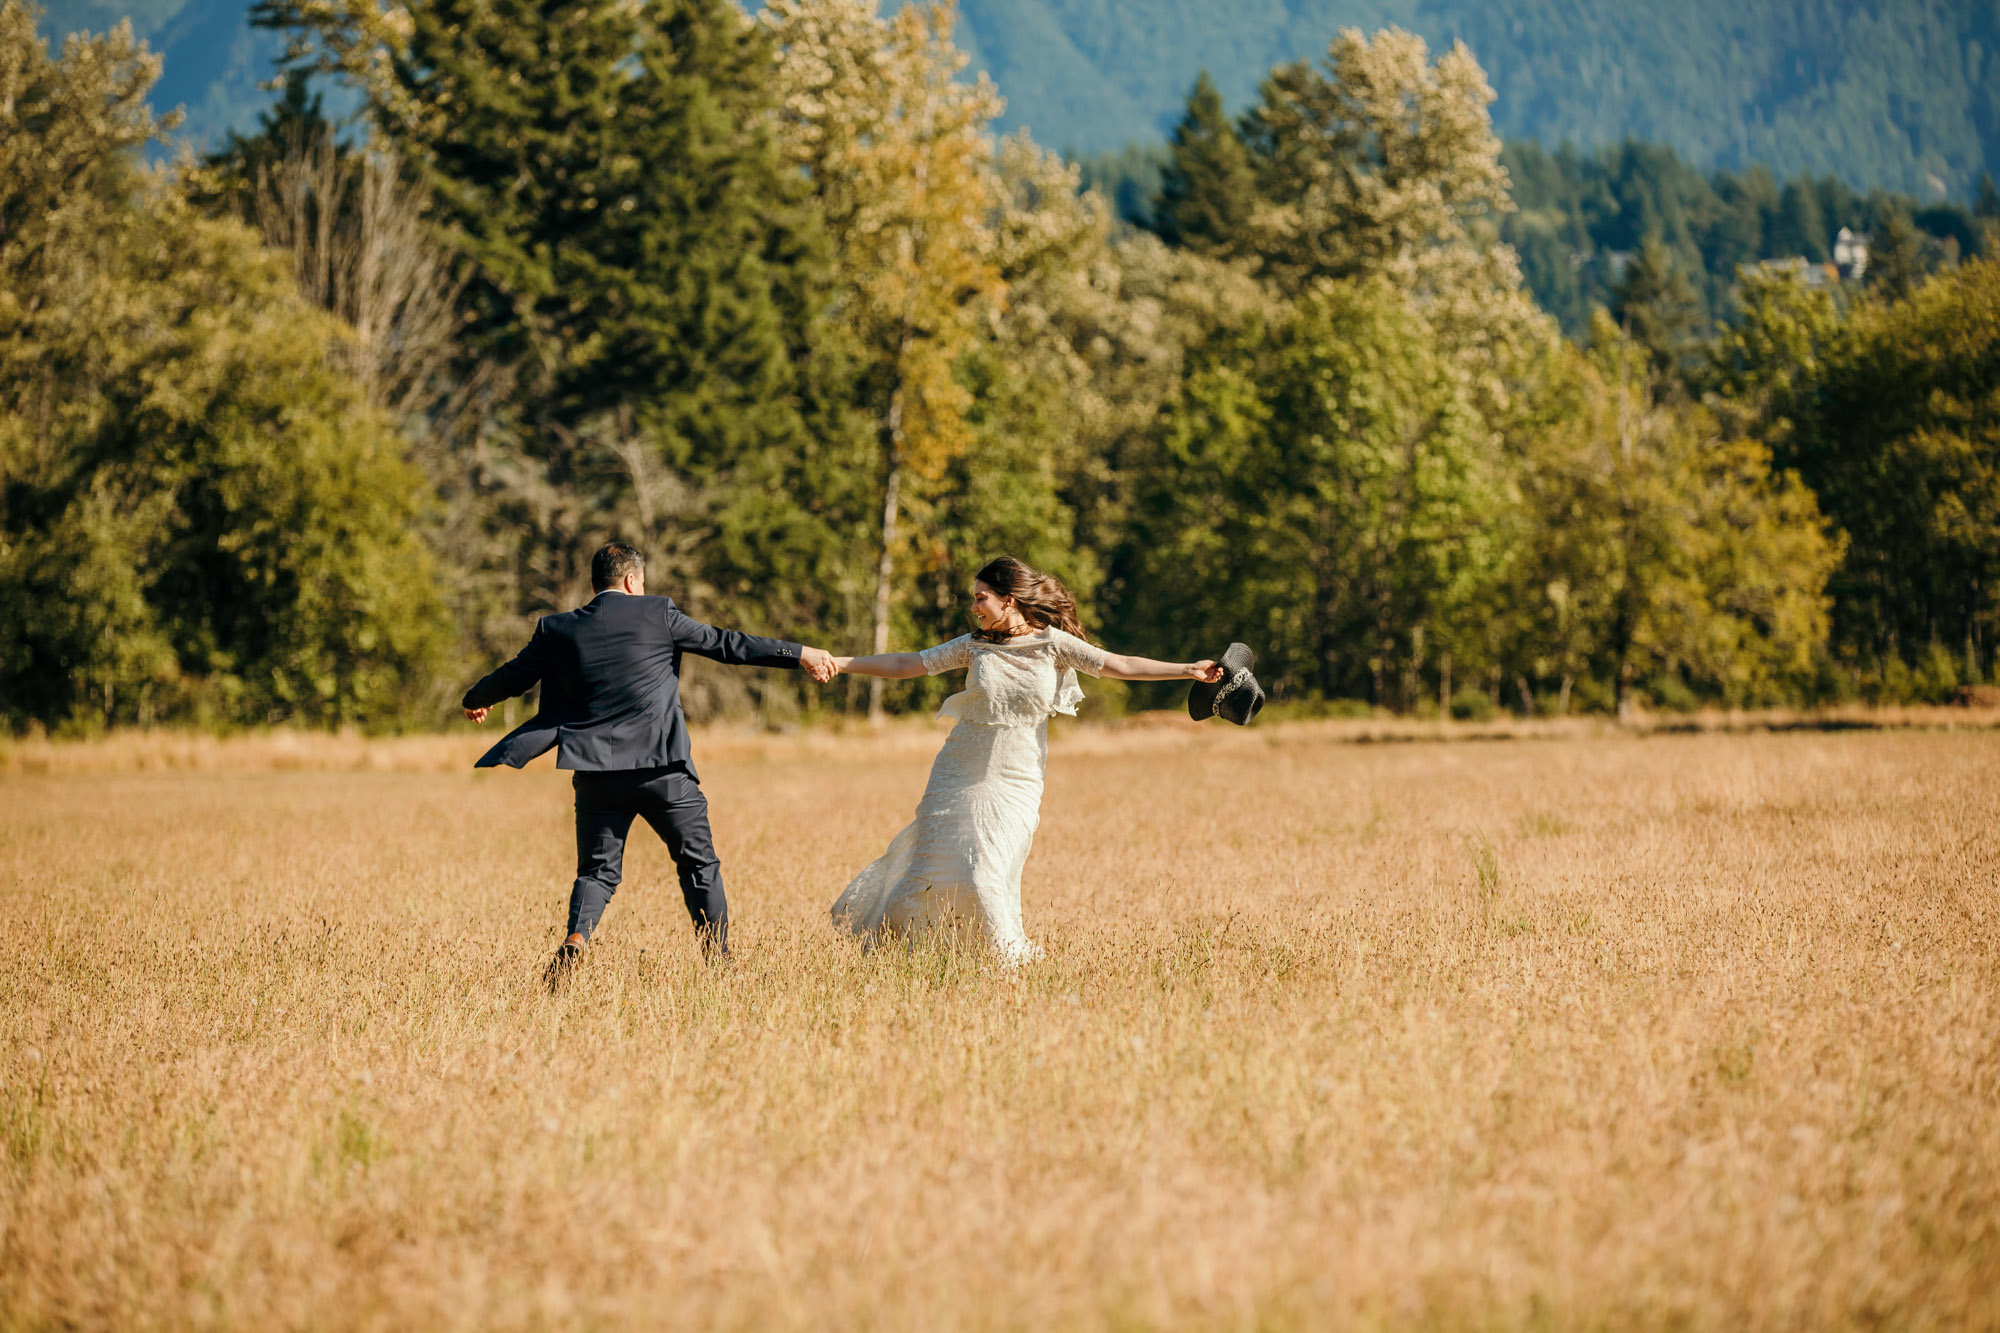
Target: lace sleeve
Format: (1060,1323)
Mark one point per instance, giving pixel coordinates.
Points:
(948,656)
(1074,654)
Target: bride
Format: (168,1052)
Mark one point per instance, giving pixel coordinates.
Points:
(957,865)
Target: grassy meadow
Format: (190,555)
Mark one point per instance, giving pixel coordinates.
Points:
(1580,1030)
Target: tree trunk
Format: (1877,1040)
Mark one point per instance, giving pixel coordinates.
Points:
(1326,580)
(1562,698)
(885,571)
(884,581)
(1444,687)
(1410,695)
(1527,696)
(1621,653)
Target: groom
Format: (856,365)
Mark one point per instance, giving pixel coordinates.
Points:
(611,707)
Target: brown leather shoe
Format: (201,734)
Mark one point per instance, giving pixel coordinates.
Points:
(561,967)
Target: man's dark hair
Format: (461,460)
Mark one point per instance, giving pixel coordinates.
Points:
(609,567)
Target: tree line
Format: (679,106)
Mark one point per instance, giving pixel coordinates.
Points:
(1587,225)
(310,429)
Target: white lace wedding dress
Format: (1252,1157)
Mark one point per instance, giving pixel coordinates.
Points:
(957,865)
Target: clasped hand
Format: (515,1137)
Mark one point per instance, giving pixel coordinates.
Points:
(819,664)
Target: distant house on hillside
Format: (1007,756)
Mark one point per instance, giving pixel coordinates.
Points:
(1850,255)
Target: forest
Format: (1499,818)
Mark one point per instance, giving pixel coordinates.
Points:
(1904,96)
(1579,218)
(311,429)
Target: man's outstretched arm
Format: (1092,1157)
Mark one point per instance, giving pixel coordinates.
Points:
(735,648)
(507,681)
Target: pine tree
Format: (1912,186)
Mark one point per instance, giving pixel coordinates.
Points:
(642,261)
(1656,307)
(1207,188)
(1801,226)
(1896,256)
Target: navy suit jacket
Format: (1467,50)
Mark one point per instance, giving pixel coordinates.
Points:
(610,678)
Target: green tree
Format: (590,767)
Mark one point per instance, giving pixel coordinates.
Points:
(200,516)
(1655,306)
(1896,256)
(1384,163)
(1129,179)
(1207,188)
(899,153)
(1045,393)
(1378,162)
(1324,489)
(1663,550)
(644,266)
(1801,226)
(1581,214)
(1891,417)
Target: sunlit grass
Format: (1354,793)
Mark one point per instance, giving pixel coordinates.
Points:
(1592,1031)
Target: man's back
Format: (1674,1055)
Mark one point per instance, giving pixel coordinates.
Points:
(610,678)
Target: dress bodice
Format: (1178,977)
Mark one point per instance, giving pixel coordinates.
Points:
(1026,679)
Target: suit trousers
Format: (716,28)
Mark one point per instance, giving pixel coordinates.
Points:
(672,802)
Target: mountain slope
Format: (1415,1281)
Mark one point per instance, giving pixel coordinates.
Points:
(1899,93)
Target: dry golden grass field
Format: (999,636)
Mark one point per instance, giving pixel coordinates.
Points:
(1578,1030)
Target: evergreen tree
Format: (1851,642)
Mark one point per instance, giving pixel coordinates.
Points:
(1656,307)
(1742,228)
(296,119)
(1129,179)
(1580,213)
(1896,255)
(1801,227)
(1207,187)
(643,263)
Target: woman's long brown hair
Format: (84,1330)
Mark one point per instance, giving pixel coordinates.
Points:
(1044,602)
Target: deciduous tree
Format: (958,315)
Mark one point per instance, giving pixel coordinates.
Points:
(899,152)
(201,516)
(1892,416)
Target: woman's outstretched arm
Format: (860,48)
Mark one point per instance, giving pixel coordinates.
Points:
(1120,667)
(889,666)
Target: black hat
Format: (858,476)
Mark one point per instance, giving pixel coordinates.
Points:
(1237,696)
